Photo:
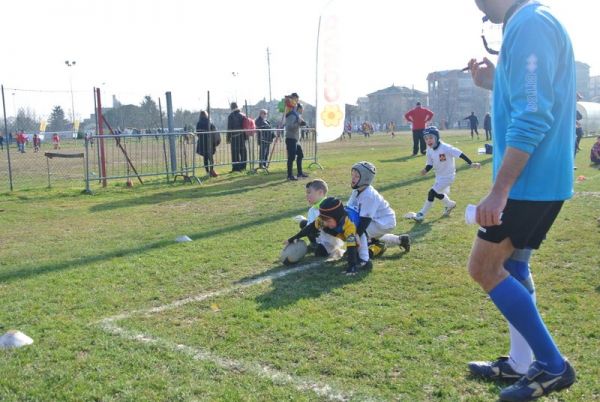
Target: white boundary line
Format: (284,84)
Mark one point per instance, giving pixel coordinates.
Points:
(276,376)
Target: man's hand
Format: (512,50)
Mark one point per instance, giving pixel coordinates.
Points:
(483,76)
(423,172)
(476,165)
(490,209)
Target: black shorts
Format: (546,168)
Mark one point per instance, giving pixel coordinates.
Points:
(524,222)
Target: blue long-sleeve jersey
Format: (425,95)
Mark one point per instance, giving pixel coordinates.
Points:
(534,102)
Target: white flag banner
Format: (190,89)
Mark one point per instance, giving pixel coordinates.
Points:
(330,104)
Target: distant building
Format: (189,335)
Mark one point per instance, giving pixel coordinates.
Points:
(391,103)
(595,89)
(582,71)
(453,96)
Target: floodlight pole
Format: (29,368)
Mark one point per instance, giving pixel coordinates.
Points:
(71,64)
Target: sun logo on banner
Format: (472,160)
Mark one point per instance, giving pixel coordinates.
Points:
(331,115)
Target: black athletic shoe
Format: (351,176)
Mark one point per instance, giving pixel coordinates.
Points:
(292,178)
(538,382)
(351,270)
(496,370)
(405,242)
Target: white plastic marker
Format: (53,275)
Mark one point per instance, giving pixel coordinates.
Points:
(183,239)
(471,215)
(14,339)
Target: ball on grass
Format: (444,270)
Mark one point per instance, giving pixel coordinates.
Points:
(293,252)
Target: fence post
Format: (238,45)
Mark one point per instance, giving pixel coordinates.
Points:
(87,166)
(170,124)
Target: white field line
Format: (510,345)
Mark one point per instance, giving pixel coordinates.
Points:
(277,377)
(216,293)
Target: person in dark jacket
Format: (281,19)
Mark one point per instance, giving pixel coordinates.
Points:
(293,122)
(265,138)
(487,126)
(473,123)
(208,140)
(239,153)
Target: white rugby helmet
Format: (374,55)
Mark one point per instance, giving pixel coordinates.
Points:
(366,171)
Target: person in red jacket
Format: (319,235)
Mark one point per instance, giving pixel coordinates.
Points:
(419,117)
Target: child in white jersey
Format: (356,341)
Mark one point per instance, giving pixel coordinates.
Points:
(440,158)
(376,218)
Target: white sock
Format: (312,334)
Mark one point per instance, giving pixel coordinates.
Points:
(447,201)
(426,207)
(521,355)
(363,249)
(390,239)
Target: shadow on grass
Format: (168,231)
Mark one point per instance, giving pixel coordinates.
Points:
(306,284)
(27,272)
(598,289)
(399,159)
(229,186)
(418,179)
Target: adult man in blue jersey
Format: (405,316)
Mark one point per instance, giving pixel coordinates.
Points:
(533,96)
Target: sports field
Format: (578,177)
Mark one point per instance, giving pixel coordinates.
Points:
(121,312)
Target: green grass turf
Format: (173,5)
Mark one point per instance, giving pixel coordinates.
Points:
(403,331)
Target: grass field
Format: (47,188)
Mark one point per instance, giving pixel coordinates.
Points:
(121,312)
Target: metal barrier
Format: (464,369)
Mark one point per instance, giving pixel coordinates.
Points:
(174,155)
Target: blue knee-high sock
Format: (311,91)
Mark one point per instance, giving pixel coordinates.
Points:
(515,303)
(518,267)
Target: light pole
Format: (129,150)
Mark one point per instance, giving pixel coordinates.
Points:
(71,64)
(14,105)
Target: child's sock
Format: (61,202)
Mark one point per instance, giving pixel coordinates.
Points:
(515,303)
(363,250)
(390,239)
(426,207)
(447,201)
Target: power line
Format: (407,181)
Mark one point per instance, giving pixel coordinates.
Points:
(67,91)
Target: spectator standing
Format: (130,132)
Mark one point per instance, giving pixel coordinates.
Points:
(487,126)
(293,122)
(237,139)
(208,140)
(55,141)
(419,117)
(21,140)
(265,137)
(595,152)
(36,142)
(473,124)
(1,142)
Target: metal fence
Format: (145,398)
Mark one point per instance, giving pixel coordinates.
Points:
(174,156)
(135,157)
(44,165)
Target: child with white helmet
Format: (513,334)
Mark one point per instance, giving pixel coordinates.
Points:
(377,220)
(440,158)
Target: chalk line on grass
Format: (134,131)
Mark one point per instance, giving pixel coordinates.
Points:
(276,376)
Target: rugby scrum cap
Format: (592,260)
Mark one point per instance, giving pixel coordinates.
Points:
(366,171)
(433,131)
(332,208)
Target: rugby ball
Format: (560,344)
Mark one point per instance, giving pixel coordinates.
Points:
(293,252)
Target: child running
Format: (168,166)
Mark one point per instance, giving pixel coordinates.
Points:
(440,158)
